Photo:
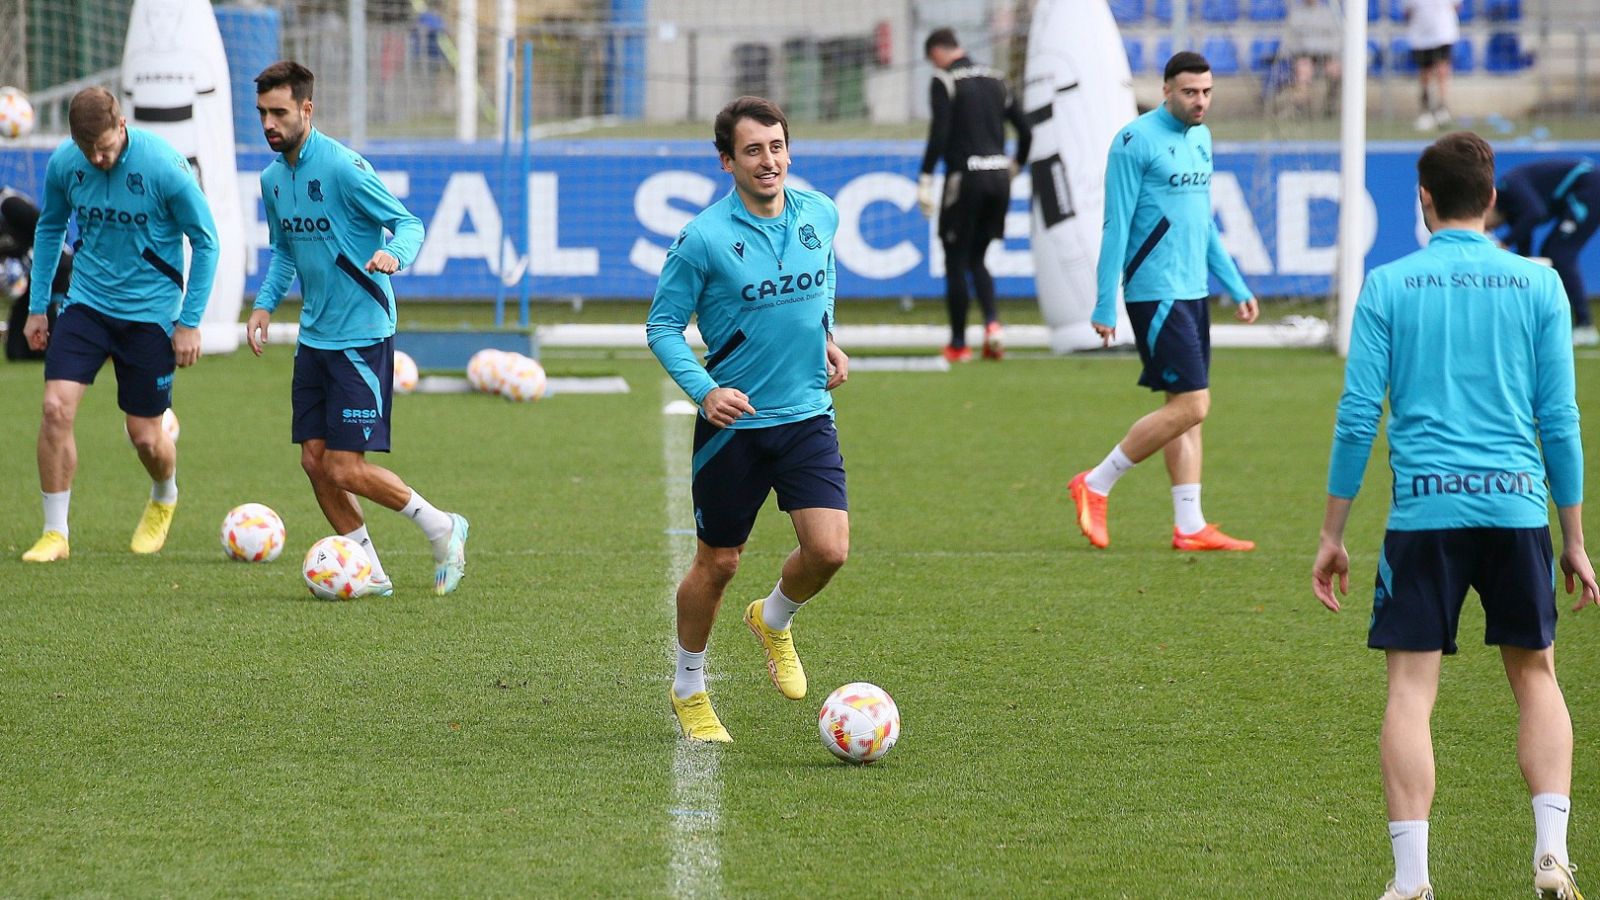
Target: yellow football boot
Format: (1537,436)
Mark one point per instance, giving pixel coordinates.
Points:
(51,546)
(783,663)
(151,534)
(698,720)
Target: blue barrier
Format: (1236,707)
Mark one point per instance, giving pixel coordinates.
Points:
(605,211)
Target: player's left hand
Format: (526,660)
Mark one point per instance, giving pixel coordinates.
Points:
(186,345)
(1580,575)
(1331,560)
(1247,311)
(925,200)
(381,261)
(838,366)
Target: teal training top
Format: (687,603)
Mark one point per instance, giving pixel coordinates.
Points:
(762,292)
(1473,347)
(326,215)
(131,225)
(1159,238)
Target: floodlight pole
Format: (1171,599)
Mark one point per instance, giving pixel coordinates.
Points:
(1353,205)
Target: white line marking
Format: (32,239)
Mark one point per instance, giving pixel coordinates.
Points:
(696,806)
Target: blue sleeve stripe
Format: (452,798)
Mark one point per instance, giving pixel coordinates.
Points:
(1572,177)
(367,375)
(367,284)
(711,448)
(1159,232)
(162,266)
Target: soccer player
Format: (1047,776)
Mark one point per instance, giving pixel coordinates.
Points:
(134,199)
(1567,193)
(1470,345)
(326,213)
(1159,243)
(970,104)
(756,270)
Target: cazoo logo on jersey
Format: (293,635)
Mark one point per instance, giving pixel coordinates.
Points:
(783,285)
(305,224)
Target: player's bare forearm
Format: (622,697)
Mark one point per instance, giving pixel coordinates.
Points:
(186,345)
(1575,564)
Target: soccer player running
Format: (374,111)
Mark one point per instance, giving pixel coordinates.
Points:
(326,214)
(756,270)
(970,104)
(135,199)
(1471,347)
(1567,193)
(1159,243)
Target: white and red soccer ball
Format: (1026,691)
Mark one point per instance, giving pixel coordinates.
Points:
(336,568)
(484,370)
(16,114)
(252,532)
(522,379)
(406,375)
(859,722)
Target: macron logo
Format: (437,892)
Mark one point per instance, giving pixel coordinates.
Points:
(738,247)
(1472,483)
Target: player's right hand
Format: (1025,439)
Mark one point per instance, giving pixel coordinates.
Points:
(1333,563)
(1107,333)
(255,331)
(722,405)
(37,331)
(925,201)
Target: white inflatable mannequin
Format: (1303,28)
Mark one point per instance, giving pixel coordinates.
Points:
(1078,92)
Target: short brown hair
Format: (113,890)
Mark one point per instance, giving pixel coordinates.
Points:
(1458,171)
(759,108)
(940,37)
(93,112)
(287,72)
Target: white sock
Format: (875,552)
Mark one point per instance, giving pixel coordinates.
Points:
(1186,512)
(778,610)
(165,491)
(360,536)
(435,524)
(690,678)
(1410,842)
(1550,813)
(55,510)
(1116,464)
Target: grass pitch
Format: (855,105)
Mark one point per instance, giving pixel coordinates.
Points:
(1127,723)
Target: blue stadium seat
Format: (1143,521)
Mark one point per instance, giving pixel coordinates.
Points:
(1163,10)
(1400,56)
(1127,12)
(1397,10)
(1219,10)
(1158,63)
(1464,11)
(1223,54)
(1263,51)
(1373,10)
(1502,10)
(1374,58)
(1135,48)
(1268,10)
(1461,57)
(1504,54)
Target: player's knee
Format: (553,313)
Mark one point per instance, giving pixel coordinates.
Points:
(342,469)
(830,556)
(1195,406)
(57,413)
(311,463)
(145,441)
(719,564)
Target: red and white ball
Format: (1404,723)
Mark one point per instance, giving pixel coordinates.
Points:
(523,379)
(405,373)
(485,368)
(252,532)
(16,114)
(859,722)
(336,568)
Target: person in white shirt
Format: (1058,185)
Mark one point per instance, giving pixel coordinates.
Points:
(1432,29)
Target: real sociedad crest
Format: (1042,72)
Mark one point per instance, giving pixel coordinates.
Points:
(808,236)
(136,183)
(314,190)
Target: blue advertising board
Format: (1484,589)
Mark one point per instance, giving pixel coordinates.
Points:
(599,215)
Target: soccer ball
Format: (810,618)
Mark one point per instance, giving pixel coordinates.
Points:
(485,368)
(522,379)
(336,568)
(859,722)
(16,114)
(405,372)
(252,532)
(169,424)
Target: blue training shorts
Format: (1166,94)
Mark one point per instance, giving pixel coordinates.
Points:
(736,468)
(141,352)
(1423,577)
(342,396)
(1174,341)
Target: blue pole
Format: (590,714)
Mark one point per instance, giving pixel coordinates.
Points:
(509,65)
(527,166)
(626,57)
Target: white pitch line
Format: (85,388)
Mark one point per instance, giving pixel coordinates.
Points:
(696,809)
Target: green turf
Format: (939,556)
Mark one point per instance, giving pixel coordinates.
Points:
(1128,723)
